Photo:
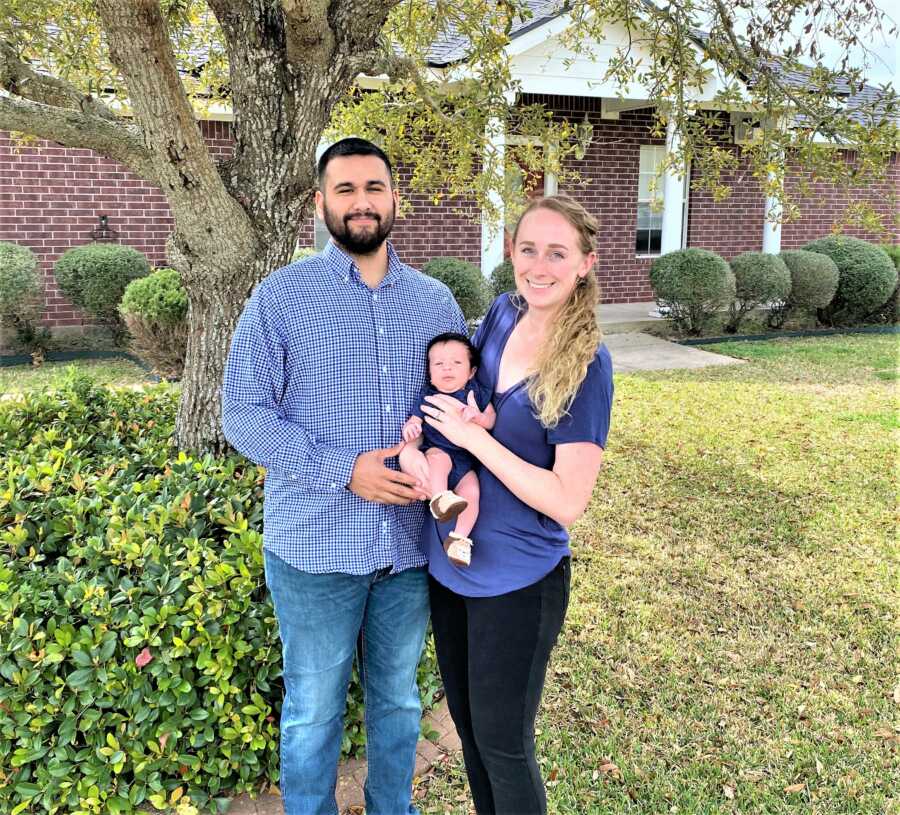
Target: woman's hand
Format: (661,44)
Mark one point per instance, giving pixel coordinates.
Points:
(446,414)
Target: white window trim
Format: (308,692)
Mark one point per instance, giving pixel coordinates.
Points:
(685,203)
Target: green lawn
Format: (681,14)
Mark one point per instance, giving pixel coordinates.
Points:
(118,372)
(732,639)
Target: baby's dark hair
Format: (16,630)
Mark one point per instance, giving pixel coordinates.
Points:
(452,336)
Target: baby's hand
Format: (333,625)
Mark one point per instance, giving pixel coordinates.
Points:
(412,429)
(471,410)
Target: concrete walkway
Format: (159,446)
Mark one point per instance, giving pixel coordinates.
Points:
(644,352)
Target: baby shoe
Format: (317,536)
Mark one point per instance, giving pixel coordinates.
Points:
(446,505)
(459,549)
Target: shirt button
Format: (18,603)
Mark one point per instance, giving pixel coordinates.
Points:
(333,485)
(387,408)
(384,369)
(374,296)
(381,331)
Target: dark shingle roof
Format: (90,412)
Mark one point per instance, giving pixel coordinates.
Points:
(453,47)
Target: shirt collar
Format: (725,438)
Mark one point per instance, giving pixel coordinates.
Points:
(345,267)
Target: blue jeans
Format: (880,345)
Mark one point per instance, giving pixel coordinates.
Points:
(324,619)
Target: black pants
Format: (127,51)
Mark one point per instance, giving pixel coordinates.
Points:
(493,654)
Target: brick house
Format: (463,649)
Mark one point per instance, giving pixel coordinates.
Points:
(52,197)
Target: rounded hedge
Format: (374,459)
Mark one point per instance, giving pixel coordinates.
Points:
(464,280)
(155,312)
(20,285)
(814,278)
(159,297)
(867,277)
(890,311)
(759,278)
(138,646)
(503,278)
(693,284)
(94,277)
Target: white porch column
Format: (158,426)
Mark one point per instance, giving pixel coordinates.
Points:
(493,235)
(673,195)
(771,237)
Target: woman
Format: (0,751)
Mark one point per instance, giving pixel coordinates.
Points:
(496,621)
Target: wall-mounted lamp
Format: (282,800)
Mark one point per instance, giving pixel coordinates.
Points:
(103,232)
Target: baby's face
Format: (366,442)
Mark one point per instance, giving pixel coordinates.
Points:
(448,366)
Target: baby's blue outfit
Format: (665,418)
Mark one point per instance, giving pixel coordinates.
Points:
(463,461)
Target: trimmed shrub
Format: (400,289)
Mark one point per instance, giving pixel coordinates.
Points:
(154,309)
(20,293)
(303,252)
(814,280)
(503,278)
(867,277)
(890,311)
(138,646)
(758,278)
(693,284)
(94,277)
(464,280)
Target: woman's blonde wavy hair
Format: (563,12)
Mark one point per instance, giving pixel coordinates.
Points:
(565,354)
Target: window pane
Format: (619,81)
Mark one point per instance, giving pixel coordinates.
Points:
(642,243)
(321,234)
(655,241)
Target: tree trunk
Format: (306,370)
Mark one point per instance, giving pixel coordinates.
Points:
(215,302)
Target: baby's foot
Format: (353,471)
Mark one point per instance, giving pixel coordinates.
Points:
(446,505)
(459,549)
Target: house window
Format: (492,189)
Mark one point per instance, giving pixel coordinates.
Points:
(648,238)
(321,233)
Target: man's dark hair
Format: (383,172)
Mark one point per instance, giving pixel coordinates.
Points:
(352,146)
(452,336)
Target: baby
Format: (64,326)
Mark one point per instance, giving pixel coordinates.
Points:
(445,469)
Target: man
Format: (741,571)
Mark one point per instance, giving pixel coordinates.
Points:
(324,368)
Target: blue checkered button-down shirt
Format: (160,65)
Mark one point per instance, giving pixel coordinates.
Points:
(321,369)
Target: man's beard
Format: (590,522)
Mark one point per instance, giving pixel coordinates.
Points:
(364,243)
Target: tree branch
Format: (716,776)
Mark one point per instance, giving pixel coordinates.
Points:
(20,79)
(114,139)
(141,50)
(307,31)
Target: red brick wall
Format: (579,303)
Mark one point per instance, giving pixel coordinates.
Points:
(608,190)
(50,197)
(828,204)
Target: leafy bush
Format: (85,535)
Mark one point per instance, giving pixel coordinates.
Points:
(503,278)
(464,280)
(693,284)
(94,277)
(759,278)
(814,280)
(20,294)
(155,311)
(867,277)
(890,311)
(303,252)
(138,646)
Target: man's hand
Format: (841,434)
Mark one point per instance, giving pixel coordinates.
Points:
(412,429)
(372,481)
